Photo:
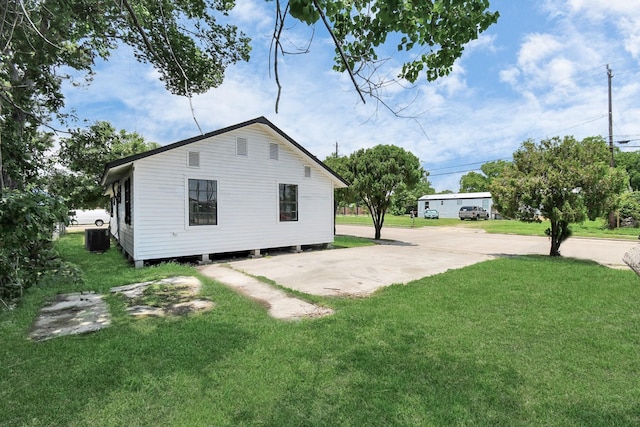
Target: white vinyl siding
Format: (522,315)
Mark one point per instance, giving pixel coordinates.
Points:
(247,198)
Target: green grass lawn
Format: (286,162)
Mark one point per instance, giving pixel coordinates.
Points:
(513,341)
(595,228)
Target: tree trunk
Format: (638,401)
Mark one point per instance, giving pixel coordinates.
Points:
(378,228)
(559,233)
(612,220)
(378,221)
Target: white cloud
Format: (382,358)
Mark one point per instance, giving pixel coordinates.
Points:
(510,75)
(630,26)
(536,49)
(485,42)
(254,12)
(554,83)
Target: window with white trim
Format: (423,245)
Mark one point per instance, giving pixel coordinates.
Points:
(203,202)
(288,194)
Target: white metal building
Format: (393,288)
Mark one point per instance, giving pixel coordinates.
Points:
(448,205)
(246,187)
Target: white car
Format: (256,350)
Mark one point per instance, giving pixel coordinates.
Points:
(99,217)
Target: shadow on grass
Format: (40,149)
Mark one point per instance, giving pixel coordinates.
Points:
(390,384)
(585,414)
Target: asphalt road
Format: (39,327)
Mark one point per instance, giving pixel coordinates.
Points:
(411,254)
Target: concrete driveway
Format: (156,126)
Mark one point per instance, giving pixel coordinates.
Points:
(411,254)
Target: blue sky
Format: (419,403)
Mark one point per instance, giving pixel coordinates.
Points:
(539,72)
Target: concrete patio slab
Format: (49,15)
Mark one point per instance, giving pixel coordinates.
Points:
(71,314)
(410,254)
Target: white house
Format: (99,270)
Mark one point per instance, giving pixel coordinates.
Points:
(448,205)
(246,187)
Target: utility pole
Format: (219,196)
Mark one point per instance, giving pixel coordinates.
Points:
(612,214)
(610,76)
(336,149)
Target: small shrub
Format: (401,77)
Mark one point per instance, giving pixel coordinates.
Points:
(27,257)
(629,208)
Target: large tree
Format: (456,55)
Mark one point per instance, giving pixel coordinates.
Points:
(39,38)
(376,173)
(562,180)
(474,181)
(84,155)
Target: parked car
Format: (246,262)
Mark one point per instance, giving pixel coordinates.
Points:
(99,217)
(473,213)
(431,214)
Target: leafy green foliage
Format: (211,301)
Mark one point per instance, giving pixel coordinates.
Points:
(630,162)
(181,39)
(340,165)
(563,180)
(27,256)
(432,32)
(629,207)
(473,182)
(376,173)
(85,154)
(476,182)
(404,199)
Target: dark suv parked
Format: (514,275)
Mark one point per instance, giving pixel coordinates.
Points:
(473,213)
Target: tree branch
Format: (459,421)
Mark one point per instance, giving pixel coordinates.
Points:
(187,91)
(277,33)
(342,54)
(136,23)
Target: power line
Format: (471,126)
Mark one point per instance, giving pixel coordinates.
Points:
(455,172)
(467,164)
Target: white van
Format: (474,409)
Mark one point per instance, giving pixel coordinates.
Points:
(99,217)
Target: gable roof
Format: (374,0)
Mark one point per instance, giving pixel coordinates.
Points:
(259,120)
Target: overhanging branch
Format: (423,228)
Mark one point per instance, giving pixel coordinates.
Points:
(342,54)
